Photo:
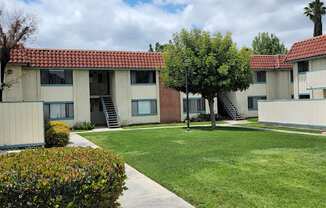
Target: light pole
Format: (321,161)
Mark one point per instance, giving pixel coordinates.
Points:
(187,95)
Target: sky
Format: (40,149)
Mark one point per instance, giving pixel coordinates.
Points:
(134,24)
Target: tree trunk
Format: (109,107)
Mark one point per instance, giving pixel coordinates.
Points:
(318,28)
(4,59)
(212,113)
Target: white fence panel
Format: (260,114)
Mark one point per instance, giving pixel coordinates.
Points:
(21,123)
(297,112)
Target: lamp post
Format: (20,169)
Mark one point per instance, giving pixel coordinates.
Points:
(187,95)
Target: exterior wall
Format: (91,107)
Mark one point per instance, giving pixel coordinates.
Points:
(13,77)
(21,124)
(170,105)
(124,92)
(240,99)
(81,96)
(194,115)
(295,112)
(278,86)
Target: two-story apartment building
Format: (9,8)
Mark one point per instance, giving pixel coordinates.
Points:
(103,87)
(272,78)
(309,87)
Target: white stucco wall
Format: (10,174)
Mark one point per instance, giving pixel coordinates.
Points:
(13,78)
(124,92)
(300,112)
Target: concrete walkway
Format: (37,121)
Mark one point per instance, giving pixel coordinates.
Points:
(142,191)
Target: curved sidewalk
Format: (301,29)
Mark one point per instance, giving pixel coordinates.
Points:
(142,191)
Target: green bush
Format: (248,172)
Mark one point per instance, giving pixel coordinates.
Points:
(57,136)
(84,126)
(61,177)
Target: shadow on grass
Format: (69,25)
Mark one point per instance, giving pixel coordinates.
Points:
(222,128)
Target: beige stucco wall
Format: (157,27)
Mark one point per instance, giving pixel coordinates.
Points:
(301,112)
(81,96)
(21,123)
(278,85)
(123,93)
(13,78)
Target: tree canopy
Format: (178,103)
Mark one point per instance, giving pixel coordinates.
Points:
(14,29)
(315,10)
(265,44)
(214,65)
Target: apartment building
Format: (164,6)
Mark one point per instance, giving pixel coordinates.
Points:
(103,87)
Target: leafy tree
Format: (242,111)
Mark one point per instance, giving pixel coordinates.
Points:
(315,10)
(158,47)
(213,62)
(14,29)
(265,44)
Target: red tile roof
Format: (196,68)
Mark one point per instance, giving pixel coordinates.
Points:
(268,62)
(55,58)
(310,48)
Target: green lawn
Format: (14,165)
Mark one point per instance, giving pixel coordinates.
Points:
(227,167)
(204,123)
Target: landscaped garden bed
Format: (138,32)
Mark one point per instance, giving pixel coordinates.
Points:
(227,167)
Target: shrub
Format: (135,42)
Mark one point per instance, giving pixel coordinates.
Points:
(57,136)
(61,177)
(57,123)
(84,126)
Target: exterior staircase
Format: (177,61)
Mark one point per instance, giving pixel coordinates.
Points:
(110,113)
(230,109)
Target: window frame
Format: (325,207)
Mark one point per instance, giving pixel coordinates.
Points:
(136,114)
(134,82)
(306,70)
(260,97)
(49,70)
(184,101)
(256,77)
(60,103)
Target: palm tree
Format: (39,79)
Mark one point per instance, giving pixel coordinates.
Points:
(315,11)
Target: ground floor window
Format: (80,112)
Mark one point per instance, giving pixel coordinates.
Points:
(304,96)
(58,111)
(196,105)
(253,102)
(144,107)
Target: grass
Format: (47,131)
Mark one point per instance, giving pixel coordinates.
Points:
(227,167)
(253,122)
(170,124)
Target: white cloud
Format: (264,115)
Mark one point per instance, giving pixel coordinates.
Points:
(115,25)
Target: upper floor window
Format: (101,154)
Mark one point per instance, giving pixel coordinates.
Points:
(260,77)
(143,77)
(196,105)
(56,77)
(303,66)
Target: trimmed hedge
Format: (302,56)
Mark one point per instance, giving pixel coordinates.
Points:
(57,134)
(61,177)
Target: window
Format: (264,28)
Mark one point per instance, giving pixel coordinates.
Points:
(56,77)
(253,102)
(143,77)
(291,76)
(196,105)
(303,66)
(260,77)
(143,107)
(304,96)
(58,111)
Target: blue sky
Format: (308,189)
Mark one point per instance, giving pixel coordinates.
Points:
(134,24)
